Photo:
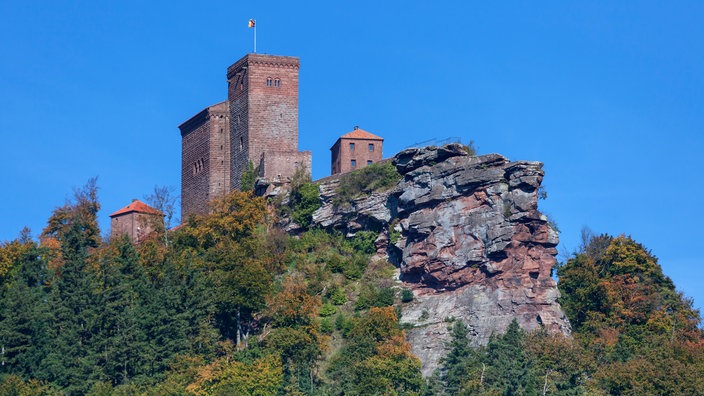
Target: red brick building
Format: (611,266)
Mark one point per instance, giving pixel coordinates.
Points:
(355,150)
(263,96)
(137,220)
(205,159)
(258,123)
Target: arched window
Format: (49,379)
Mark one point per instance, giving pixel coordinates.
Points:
(269,81)
(277,82)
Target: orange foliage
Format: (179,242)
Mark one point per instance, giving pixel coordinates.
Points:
(10,253)
(293,306)
(395,347)
(379,324)
(52,254)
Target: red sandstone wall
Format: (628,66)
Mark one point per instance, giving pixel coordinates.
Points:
(205,159)
(237,88)
(136,225)
(263,95)
(195,164)
(285,164)
(361,153)
(219,161)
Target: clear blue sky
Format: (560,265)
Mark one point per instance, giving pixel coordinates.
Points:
(609,95)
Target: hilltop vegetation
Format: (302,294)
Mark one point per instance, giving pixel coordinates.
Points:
(228,304)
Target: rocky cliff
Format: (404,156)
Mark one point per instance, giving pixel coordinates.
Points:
(468,239)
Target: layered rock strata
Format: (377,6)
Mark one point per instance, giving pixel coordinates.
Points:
(468,239)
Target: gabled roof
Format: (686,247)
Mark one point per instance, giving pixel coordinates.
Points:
(137,206)
(360,134)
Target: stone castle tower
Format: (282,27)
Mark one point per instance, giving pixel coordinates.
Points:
(137,220)
(258,123)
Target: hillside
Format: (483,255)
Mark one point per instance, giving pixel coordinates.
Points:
(435,263)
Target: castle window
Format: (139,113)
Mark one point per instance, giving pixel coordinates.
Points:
(353,163)
(371,146)
(241,143)
(369,162)
(351,146)
(198,166)
(269,81)
(277,82)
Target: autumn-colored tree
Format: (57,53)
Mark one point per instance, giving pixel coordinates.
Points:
(642,333)
(295,335)
(77,219)
(12,251)
(376,358)
(263,377)
(233,217)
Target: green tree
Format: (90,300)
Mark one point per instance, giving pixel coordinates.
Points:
(24,312)
(376,359)
(249,177)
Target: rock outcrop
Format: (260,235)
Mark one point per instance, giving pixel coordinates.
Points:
(468,239)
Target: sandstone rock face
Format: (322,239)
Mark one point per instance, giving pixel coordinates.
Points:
(473,245)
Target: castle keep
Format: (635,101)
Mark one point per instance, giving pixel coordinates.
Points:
(258,123)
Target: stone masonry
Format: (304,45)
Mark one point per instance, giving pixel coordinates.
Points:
(355,150)
(257,123)
(205,159)
(263,98)
(137,220)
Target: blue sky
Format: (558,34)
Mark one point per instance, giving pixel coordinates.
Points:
(609,95)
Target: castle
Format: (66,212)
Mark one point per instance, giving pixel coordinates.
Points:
(255,128)
(257,125)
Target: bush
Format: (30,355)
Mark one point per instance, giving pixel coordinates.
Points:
(343,324)
(471,149)
(327,310)
(372,296)
(394,236)
(338,297)
(326,326)
(364,241)
(371,178)
(305,200)
(249,176)
(355,267)
(406,295)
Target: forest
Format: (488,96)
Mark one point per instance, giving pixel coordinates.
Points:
(229,304)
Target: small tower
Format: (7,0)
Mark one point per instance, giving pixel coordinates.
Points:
(355,150)
(137,220)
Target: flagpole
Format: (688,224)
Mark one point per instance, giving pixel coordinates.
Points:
(255,38)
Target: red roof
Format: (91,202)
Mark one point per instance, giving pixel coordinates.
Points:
(137,206)
(360,134)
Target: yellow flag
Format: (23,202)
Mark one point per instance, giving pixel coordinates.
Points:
(251,23)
